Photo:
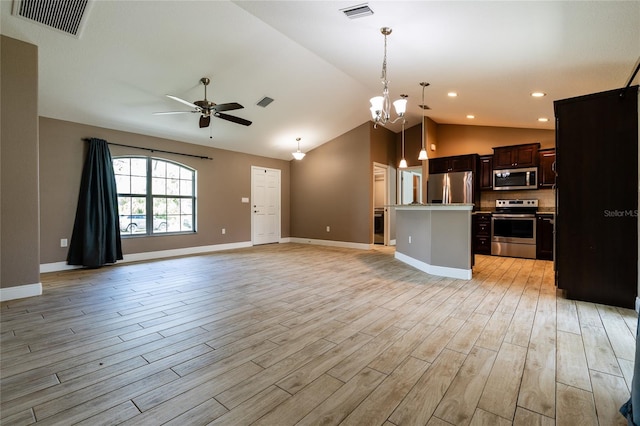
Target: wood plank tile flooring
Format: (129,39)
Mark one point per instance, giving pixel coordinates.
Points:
(295,334)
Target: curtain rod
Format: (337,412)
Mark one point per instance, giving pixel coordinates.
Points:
(633,75)
(155,150)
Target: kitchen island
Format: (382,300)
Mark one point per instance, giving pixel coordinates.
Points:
(435,238)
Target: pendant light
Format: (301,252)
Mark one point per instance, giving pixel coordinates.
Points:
(423,152)
(403,162)
(298,155)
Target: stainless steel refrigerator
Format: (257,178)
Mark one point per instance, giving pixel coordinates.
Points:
(448,188)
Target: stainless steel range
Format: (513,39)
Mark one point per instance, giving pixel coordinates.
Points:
(513,228)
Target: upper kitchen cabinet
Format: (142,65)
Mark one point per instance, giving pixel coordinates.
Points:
(546,168)
(486,172)
(516,156)
(458,163)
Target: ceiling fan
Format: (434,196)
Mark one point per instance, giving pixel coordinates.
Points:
(206,108)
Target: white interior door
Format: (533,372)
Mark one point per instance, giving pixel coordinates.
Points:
(265,205)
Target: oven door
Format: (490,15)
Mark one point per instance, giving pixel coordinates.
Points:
(513,228)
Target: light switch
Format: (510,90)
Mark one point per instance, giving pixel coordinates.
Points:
(245,199)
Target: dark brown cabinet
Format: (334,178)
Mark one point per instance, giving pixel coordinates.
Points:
(481,225)
(486,172)
(516,156)
(546,168)
(596,211)
(458,163)
(544,236)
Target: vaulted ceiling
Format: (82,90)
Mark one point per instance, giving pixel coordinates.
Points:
(321,68)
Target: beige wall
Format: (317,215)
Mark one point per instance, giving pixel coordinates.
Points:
(455,139)
(383,145)
(221,184)
(19,224)
(333,187)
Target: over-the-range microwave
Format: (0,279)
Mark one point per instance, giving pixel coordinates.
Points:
(511,179)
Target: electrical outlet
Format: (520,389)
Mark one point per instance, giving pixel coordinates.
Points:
(409,239)
(224,231)
(328,228)
(63,242)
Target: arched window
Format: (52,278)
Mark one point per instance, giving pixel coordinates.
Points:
(155,196)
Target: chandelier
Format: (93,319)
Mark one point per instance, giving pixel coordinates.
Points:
(380,105)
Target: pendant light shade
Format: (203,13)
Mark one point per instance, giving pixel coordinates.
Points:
(401,106)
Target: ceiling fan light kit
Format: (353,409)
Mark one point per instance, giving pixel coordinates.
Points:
(207,108)
(298,155)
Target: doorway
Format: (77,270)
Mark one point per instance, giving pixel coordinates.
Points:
(381,216)
(265,205)
(410,185)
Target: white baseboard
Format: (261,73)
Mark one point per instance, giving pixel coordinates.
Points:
(331,243)
(441,271)
(151,255)
(20,291)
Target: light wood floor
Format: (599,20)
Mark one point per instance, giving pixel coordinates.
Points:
(297,334)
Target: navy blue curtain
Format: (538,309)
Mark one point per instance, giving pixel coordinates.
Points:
(631,409)
(96,232)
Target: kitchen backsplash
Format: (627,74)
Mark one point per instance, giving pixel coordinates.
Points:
(546,198)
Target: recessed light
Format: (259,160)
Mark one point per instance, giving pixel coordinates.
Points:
(543,119)
(471,116)
(452,94)
(538,94)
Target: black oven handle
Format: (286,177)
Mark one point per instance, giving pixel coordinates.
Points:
(513,216)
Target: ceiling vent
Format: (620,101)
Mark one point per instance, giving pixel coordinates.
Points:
(359,11)
(264,101)
(67,16)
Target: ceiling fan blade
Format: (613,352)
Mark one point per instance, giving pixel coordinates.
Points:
(232,118)
(192,105)
(227,107)
(173,112)
(204,121)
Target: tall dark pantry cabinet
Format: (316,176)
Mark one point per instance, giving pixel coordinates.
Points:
(597,197)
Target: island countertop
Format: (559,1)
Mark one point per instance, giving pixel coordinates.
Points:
(454,206)
(435,238)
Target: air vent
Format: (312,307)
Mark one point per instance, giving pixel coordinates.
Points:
(359,11)
(67,16)
(264,101)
